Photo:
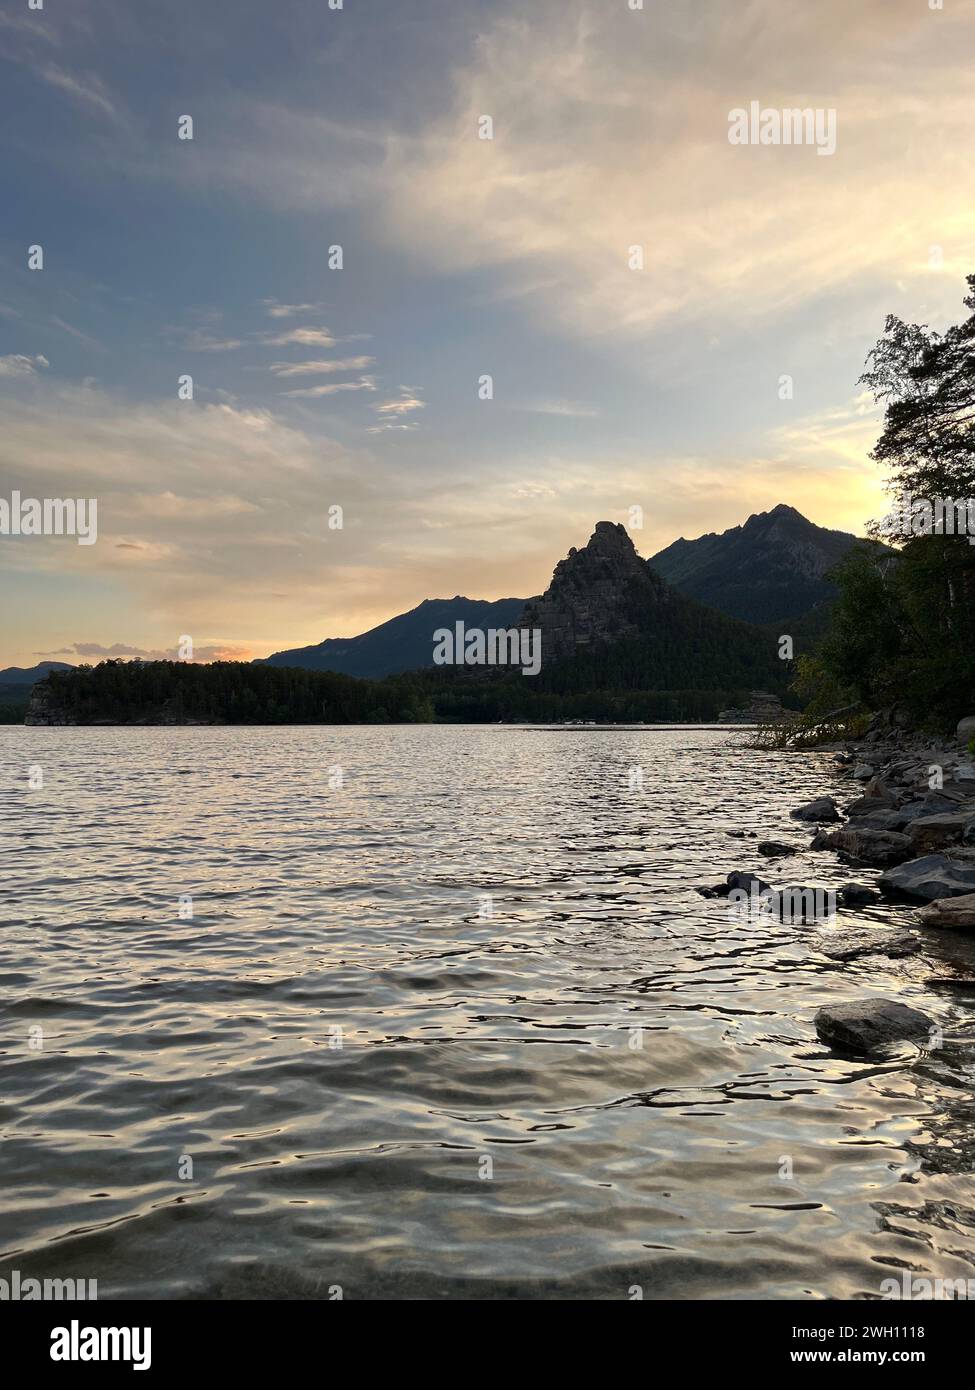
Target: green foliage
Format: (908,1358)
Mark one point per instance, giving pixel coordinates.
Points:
(13,711)
(162,692)
(688,665)
(866,635)
(904,633)
(229,692)
(925,380)
(832,712)
(903,630)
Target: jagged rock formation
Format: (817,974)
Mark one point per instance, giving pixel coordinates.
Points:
(44,707)
(602,593)
(762,708)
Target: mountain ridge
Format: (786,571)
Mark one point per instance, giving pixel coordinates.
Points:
(771,568)
(402,643)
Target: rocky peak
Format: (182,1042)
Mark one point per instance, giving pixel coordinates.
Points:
(780,512)
(598,594)
(771,568)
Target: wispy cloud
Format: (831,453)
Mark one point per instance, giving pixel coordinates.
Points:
(572,409)
(404,404)
(613,135)
(86,89)
(16,364)
(208,652)
(333,388)
(303,337)
(25,27)
(199,340)
(321,368)
(275,310)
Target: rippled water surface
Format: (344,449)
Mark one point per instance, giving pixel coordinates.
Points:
(460,1027)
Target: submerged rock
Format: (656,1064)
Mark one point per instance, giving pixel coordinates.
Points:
(823,809)
(957,914)
(775,849)
(868,941)
(930,877)
(857,895)
(862,1025)
(799,903)
(713,890)
(746,882)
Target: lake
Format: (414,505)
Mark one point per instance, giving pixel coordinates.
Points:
(435,1012)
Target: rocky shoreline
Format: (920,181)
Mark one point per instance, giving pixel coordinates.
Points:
(912,815)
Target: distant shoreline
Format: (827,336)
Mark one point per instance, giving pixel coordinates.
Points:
(404,724)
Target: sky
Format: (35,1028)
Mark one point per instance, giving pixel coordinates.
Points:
(316,386)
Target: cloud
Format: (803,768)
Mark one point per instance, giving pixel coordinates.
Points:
(611,132)
(24,27)
(218,651)
(16,364)
(347,364)
(283,311)
(333,388)
(116,649)
(86,89)
(76,333)
(304,337)
(572,409)
(205,512)
(404,404)
(199,340)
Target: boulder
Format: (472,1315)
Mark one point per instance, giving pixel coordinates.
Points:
(880,847)
(880,820)
(775,849)
(930,877)
(867,941)
(934,832)
(932,804)
(966,728)
(953,793)
(872,816)
(863,772)
(857,895)
(746,882)
(955,913)
(878,790)
(712,890)
(863,1025)
(820,840)
(797,903)
(822,809)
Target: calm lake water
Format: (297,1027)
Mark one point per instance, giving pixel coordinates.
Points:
(459,1027)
